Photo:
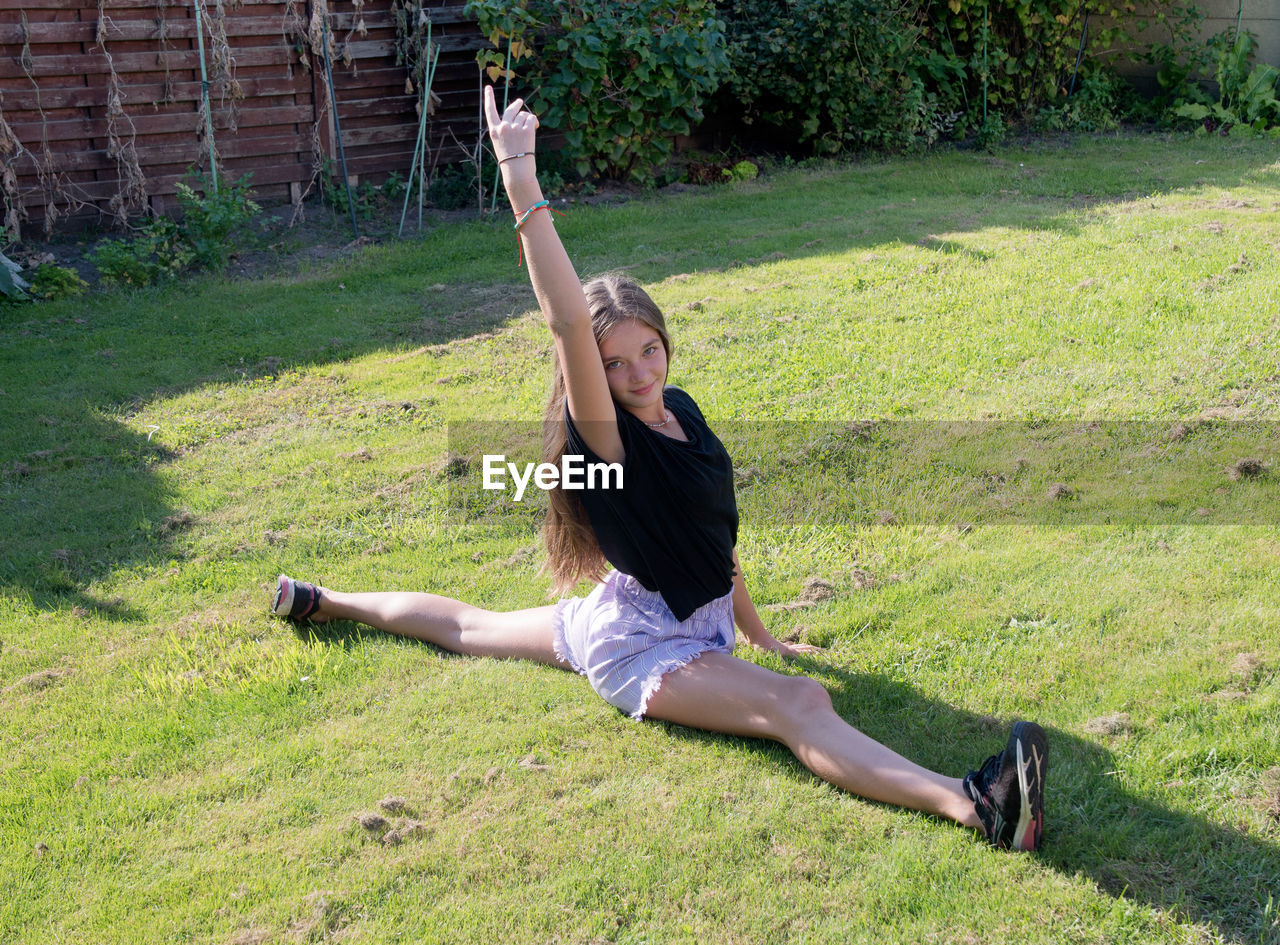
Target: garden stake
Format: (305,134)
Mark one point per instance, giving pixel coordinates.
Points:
(421,167)
(1084,35)
(479,158)
(204,94)
(337,125)
(416,166)
(986,13)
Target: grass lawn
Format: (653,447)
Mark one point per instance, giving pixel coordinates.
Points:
(1006,436)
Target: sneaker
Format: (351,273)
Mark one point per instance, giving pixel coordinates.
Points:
(1008,790)
(295,600)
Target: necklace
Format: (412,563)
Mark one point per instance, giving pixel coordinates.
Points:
(659,426)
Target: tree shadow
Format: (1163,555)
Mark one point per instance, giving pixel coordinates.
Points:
(82,492)
(1130,846)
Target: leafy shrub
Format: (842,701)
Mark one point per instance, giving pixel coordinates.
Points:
(1246,96)
(453,188)
(1092,107)
(743,170)
(161,248)
(210,218)
(51,282)
(618,102)
(827,74)
(723,171)
(991,132)
(157,252)
(1017,58)
(1178,61)
(369,198)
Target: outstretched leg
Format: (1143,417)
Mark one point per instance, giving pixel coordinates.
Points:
(449,624)
(722,693)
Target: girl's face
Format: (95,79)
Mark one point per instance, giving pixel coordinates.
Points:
(635,365)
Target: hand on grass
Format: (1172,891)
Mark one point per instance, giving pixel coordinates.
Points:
(785,650)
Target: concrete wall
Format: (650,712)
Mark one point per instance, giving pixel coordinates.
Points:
(1260,17)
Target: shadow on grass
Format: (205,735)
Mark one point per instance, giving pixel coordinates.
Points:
(1128,845)
(1131,847)
(83,494)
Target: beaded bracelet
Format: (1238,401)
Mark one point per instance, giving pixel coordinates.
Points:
(521,217)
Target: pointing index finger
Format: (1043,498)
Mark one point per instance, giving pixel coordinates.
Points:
(490,108)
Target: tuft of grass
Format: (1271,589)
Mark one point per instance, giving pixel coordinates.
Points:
(1005,431)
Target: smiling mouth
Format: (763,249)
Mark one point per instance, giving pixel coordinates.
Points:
(641,391)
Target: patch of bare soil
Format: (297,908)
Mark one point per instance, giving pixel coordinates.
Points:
(1118,724)
(279,240)
(37,680)
(1246,469)
(1271,792)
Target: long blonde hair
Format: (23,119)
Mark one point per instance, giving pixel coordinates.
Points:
(572,550)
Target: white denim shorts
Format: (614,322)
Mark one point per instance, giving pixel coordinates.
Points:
(624,639)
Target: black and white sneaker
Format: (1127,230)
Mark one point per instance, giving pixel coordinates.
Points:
(1008,790)
(295,600)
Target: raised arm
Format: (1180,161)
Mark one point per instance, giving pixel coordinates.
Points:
(555,283)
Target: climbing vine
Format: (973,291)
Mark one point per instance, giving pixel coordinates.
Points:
(221,61)
(411,19)
(162,55)
(54,185)
(308,39)
(121,135)
(11,151)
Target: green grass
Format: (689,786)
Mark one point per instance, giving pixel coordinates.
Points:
(178,767)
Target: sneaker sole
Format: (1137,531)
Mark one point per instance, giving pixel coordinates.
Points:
(282,606)
(1032,755)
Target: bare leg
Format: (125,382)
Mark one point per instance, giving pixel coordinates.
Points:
(450,624)
(722,693)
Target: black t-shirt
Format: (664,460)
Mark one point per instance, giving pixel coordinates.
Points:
(674,523)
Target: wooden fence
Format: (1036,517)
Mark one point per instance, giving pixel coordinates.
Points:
(101,100)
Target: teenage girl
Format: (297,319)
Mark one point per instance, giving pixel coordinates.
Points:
(655,637)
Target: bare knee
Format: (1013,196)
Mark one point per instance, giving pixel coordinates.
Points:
(805,698)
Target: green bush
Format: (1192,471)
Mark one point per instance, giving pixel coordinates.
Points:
(617,101)
(453,187)
(156,252)
(210,218)
(1017,58)
(161,248)
(1246,93)
(827,74)
(901,74)
(1091,107)
(370,199)
(52,282)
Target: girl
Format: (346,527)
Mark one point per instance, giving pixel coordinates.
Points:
(656,635)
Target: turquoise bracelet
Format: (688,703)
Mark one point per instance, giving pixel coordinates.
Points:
(521,217)
(524,216)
